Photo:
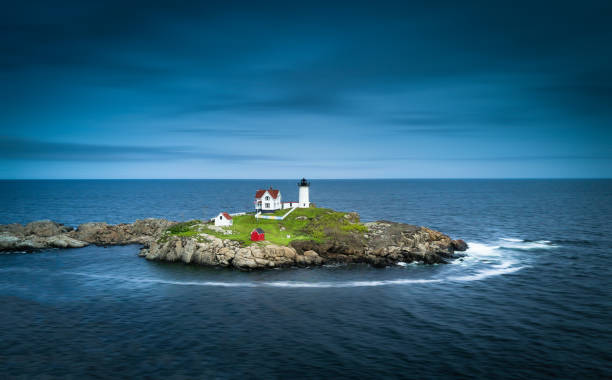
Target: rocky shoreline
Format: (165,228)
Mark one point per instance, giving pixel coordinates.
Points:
(46,234)
(383,244)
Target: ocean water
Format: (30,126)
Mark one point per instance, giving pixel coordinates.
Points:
(530,299)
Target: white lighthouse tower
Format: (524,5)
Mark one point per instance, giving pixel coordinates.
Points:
(304,200)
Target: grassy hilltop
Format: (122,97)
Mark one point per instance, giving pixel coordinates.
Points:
(317,224)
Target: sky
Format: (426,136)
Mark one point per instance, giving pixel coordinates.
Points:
(376,89)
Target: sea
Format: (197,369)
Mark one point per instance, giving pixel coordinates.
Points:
(531,298)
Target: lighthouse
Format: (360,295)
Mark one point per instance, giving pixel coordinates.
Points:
(304,199)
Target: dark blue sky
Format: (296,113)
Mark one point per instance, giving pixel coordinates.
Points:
(323,90)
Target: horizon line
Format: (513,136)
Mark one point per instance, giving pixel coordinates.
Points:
(310,178)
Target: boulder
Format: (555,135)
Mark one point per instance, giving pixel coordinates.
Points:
(13,229)
(312,258)
(352,217)
(459,245)
(8,241)
(63,241)
(45,228)
(89,231)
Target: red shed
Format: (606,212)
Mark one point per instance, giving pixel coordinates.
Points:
(258,234)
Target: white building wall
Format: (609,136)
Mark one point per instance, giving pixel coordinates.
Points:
(304,199)
(221,220)
(290,204)
(274,204)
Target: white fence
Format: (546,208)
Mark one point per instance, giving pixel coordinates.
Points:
(273,217)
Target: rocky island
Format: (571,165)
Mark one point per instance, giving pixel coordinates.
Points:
(307,237)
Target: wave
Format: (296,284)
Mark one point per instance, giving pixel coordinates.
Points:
(347,284)
(527,245)
(161,281)
(496,270)
(482,250)
(500,257)
(275,284)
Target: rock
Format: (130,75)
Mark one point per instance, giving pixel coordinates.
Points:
(312,258)
(29,245)
(8,241)
(140,232)
(352,217)
(13,229)
(459,245)
(63,241)
(244,259)
(45,228)
(220,229)
(48,234)
(89,231)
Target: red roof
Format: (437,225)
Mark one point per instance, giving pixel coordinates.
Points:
(227,216)
(260,193)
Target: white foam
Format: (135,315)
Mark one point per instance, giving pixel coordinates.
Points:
(527,245)
(170,282)
(346,284)
(275,284)
(499,258)
(495,271)
(332,265)
(482,250)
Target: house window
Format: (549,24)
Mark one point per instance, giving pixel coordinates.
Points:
(267,198)
(267,205)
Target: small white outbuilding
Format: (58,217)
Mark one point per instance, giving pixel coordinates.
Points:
(223,219)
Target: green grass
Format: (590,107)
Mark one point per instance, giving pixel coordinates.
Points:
(318,224)
(183,228)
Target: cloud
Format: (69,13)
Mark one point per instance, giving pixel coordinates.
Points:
(255,133)
(339,78)
(433,131)
(291,101)
(562,157)
(23,149)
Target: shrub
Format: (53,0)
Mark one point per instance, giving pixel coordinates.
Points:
(183,227)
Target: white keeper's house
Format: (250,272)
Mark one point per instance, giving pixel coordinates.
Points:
(270,200)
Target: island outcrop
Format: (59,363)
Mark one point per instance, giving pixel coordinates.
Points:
(385,243)
(48,234)
(307,237)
